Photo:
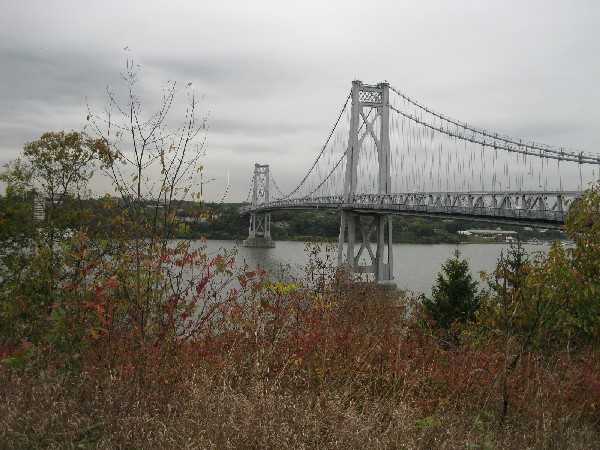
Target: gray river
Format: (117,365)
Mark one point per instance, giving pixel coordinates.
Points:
(415,266)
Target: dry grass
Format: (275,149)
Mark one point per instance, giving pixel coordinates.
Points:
(201,411)
(298,370)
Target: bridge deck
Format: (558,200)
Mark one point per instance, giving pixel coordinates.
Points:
(546,209)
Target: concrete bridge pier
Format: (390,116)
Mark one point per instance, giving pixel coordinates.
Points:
(259,242)
(259,235)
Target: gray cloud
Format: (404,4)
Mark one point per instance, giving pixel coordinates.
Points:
(275,74)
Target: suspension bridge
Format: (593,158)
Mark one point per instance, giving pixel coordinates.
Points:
(389,154)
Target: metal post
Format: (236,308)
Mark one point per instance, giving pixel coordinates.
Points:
(353,145)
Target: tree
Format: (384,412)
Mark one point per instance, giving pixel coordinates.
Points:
(56,166)
(158,160)
(121,290)
(506,295)
(552,301)
(565,284)
(164,291)
(506,312)
(128,299)
(455,296)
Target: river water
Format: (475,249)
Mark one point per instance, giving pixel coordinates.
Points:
(415,266)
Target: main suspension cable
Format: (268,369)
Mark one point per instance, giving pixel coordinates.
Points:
(330,173)
(323,149)
(272,178)
(505,144)
(558,153)
(250,191)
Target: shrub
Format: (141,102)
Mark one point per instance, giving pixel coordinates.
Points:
(455,297)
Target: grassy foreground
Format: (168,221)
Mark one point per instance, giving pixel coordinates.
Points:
(301,370)
(71,411)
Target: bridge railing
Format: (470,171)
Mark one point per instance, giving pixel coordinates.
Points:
(547,207)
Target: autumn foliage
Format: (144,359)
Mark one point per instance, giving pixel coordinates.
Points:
(206,327)
(309,351)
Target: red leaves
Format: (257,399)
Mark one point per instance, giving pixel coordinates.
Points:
(203,282)
(100,290)
(112,282)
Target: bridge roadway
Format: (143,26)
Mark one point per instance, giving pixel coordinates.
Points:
(539,209)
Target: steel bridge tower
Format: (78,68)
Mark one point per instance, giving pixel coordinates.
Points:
(259,232)
(369,119)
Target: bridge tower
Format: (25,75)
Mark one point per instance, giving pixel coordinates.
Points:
(259,233)
(369,120)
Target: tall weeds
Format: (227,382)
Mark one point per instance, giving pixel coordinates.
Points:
(318,363)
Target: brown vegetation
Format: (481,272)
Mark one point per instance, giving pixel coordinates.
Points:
(300,372)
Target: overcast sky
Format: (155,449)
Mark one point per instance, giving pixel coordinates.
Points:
(275,74)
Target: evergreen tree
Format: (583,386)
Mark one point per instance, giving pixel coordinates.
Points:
(455,296)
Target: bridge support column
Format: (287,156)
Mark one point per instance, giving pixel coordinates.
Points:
(259,232)
(367,230)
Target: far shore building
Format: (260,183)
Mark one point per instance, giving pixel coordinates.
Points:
(491,234)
